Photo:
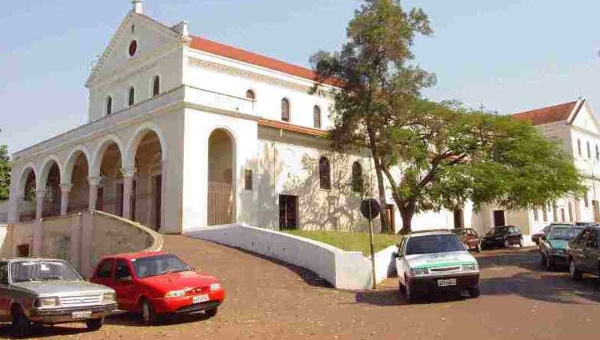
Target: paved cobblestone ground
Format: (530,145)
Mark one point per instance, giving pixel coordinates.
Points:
(269,300)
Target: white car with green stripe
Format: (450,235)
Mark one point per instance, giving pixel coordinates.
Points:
(433,261)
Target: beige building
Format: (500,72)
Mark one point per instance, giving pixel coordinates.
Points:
(575,126)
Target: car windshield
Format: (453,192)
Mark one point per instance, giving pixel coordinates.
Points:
(27,271)
(498,231)
(429,244)
(158,265)
(563,233)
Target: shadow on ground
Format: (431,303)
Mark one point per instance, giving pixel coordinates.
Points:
(508,272)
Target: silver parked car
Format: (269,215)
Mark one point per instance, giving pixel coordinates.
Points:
(49,291)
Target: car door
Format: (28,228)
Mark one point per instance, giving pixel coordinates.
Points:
(4,292)
(124,285)
(576,249)
(590,252)
(401,261)
(104,273)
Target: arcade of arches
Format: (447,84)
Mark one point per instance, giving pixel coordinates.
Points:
(133,192)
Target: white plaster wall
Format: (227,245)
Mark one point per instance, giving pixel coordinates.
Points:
(344,270)
(198,127)
(270,87)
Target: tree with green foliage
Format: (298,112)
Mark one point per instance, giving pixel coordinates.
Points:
(376,57)
(4,173)
(439,156)
(432,155)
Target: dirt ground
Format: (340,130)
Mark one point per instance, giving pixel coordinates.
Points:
(270,300)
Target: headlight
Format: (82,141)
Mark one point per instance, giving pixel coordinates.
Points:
(47,302)
(470,267)
(419,271)
(175,293)
(215,286)
(109,297)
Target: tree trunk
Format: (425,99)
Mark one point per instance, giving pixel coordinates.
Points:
(407,214)
(385,225)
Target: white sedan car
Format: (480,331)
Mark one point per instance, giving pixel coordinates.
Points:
(433,261)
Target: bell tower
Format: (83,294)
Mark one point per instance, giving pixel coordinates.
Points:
(138,6)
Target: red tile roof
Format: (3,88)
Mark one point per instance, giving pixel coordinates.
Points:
(547,115)
(252,58)
(291,127)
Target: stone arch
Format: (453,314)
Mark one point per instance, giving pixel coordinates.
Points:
(23,175)
(134,143)
(70,163)
(99,153)
(146,153)
(25,206)
(222,173)
(47,165)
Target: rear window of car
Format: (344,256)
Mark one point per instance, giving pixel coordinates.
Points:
(105,269)
(431,244)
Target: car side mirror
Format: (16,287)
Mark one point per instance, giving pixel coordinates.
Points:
(396,255)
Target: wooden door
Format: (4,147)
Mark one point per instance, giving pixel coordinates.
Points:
(459,221)
(288,219)
(391,217)
(119,200)
(100,200)
(499,218)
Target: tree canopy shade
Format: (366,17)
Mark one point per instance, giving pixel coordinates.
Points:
(4,173)
(433,155)
(441,156)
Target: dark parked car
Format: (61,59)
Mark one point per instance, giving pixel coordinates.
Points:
(503,236)
(584,253)
(469,238)
(537,236)
(553,245)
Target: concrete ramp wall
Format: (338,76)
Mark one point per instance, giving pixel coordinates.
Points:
(343,269)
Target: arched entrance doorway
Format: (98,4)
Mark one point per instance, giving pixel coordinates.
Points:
(79,172)
(146,199)
(50,181)
(110,192)
(221,191)
(26,208)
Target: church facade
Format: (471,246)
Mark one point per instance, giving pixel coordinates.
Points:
(185,132)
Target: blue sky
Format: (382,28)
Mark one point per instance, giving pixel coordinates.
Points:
(509,55)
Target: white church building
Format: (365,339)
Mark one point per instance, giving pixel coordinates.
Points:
(184,132)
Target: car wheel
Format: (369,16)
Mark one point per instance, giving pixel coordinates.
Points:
(475,292)
(574,273)
(21,325)
(148,313)
(506,244)
(94,324)
(211,312)
(408,293)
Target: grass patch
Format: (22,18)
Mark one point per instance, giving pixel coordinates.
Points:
(348,241)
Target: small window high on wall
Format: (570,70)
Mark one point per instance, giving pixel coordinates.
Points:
(285,110)
(324,174)
(317,117)
(109,105)
(250,95)
(156,86)
(357,177)
(131,98)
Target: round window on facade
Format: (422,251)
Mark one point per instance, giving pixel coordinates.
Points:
(133,48)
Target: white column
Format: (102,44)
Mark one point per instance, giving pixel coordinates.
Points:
(65,189)
(93,182)
(39,194)
(127,188)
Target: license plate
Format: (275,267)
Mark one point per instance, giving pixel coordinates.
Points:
(81,315)
(200,298)
(447,282)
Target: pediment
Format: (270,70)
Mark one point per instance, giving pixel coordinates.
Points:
(146,33)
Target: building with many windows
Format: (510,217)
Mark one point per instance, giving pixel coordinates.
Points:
(577,129)
(185,132)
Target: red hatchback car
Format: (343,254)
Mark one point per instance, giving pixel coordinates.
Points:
(158,283)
